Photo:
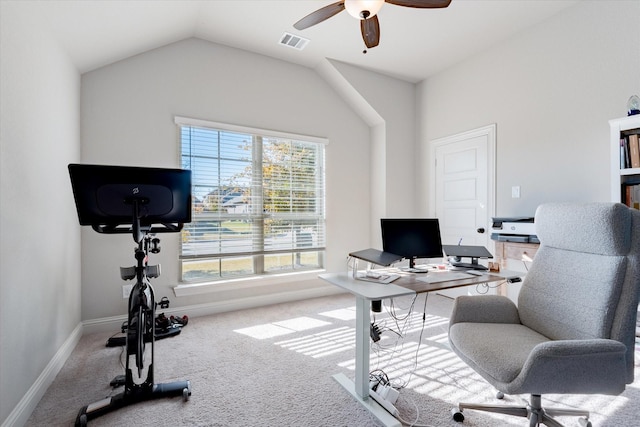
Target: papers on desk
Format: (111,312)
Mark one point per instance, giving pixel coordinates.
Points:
(444,276)
(383,278)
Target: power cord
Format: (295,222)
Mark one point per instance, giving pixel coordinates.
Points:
(407,321)
(483,288)
(424,321)
(381,379)
(414,422)
(392,309)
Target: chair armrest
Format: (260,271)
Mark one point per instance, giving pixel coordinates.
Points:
(575,366)
(573,348)
(484,309)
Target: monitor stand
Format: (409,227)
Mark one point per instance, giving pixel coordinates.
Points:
(473,265)
(412,267)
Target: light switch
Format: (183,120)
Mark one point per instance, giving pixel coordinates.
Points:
(515,192)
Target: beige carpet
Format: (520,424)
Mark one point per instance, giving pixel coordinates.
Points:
(272,366)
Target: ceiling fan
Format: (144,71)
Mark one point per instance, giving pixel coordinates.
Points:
(365,11)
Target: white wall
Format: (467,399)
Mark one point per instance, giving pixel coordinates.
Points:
(40,244)
(127,119)
(551,90)
(393,163)
(388,106)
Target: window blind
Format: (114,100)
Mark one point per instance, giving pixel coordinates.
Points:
(258,202)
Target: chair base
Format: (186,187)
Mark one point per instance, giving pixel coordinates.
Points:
(535,412)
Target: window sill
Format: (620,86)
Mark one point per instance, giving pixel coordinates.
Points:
(243,283)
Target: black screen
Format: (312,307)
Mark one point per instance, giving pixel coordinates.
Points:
(103,194)
(412,238)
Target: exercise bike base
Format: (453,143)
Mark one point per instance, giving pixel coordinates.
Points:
(130,397)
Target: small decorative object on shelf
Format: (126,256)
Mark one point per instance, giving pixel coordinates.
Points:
(633,105)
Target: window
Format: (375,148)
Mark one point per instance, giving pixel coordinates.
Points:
(258,202)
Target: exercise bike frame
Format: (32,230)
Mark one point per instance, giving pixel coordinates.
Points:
(140,325)
(141,312)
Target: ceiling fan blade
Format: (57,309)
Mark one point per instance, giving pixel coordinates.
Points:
(431,4)
(319,15)
(370,28)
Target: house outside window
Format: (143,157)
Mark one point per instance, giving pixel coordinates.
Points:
(258,202)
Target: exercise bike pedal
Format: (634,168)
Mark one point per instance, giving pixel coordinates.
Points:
(164,302)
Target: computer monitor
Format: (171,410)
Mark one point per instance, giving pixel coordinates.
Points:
(412,238)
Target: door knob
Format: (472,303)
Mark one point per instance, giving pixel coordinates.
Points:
(480,230)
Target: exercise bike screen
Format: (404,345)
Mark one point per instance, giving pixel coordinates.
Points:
(105,195)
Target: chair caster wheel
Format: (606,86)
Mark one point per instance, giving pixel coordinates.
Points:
(499,395)
(82,420)
(186,393)
(457,416)
(584,422)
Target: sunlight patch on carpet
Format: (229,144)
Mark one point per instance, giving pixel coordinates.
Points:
(302,323)
(341,314)
(323,343)
(283,327)
(602,405)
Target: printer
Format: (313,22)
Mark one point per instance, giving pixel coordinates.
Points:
(514,229)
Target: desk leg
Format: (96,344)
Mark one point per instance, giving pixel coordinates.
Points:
(360,388)
(363,320)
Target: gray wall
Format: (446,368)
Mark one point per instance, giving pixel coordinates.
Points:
(551,91)
(40,238)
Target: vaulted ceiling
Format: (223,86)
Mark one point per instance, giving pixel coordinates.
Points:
(414,43)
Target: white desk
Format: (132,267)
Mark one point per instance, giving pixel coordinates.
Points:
(407,284)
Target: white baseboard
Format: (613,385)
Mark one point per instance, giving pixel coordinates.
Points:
(24,408)
(114,323)
(104,324)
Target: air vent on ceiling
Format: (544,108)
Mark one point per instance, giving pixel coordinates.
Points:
(293,41)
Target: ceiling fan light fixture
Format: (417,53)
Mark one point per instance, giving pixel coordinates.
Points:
(361,9)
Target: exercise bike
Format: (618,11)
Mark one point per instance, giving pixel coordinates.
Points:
(157,201)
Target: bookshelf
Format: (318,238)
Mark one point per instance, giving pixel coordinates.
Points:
(625,180)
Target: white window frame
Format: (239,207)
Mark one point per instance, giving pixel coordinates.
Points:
(188,287)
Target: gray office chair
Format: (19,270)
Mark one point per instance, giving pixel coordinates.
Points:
(573,330)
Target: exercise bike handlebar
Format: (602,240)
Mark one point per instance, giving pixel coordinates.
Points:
(125,228)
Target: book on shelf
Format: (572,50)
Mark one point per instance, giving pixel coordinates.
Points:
(631,195)
(634,150)
(630,151)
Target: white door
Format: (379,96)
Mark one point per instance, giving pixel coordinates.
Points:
(462,188)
